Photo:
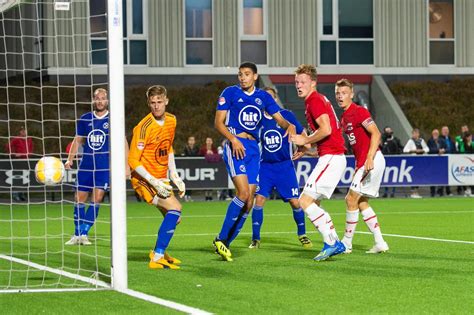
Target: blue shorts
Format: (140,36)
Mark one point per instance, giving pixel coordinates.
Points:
(282,177)
(89,179)
(249,165)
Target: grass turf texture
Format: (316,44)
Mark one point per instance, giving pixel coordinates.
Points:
(416,276)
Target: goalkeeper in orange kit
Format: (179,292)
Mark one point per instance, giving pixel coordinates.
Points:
(151,157)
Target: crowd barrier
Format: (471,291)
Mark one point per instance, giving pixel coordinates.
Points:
(199,173)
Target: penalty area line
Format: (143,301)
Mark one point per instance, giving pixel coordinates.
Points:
(169,304)
(314,232)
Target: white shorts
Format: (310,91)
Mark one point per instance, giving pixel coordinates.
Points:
(370,184)
(325,176)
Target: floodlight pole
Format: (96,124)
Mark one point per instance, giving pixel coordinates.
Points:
(118,198)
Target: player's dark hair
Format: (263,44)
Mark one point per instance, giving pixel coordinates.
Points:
(250,65)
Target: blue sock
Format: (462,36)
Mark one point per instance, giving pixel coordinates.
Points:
(257,221)
(79,214)
(231,217)
(166,231)
(238,227)
(91,215)
(298,215)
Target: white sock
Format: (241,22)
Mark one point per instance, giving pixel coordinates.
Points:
(319,219)
(352,217)
(370,219)
(331,226)
(157,256)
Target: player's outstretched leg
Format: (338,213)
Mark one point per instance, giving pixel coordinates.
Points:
(257,221)
(352,218)
(165,233)
(370,218)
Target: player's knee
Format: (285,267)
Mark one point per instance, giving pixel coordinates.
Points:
(243,195)
(294,203)
(305,201)
(351,200)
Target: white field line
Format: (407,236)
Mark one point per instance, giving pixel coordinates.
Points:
(95,282)
(289,213)
(170,304)
(269,233)
(52,290)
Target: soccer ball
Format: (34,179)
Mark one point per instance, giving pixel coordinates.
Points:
(49,170)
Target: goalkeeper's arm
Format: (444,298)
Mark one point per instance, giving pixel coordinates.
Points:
(174,175)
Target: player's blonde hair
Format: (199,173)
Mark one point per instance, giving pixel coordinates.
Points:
(345,82)
(156,90)
(100,90)
(271,89)
(307,69)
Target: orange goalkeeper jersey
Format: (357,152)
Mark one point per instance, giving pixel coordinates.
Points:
(151,145)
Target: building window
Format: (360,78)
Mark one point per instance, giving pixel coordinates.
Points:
(253,31)
(441,31)
(346,32)
(198,32)
(134,32)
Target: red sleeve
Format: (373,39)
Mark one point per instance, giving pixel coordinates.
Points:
(316,108)
(364,118)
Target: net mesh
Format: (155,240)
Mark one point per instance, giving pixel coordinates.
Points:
(47,67)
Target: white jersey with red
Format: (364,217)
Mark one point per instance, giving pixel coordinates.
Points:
(355,121)
(317,105)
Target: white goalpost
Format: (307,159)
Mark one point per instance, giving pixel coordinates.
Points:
(53,55)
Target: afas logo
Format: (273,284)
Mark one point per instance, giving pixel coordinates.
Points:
(463,171)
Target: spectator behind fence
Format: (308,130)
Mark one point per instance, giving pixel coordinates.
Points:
(461,149)
(437,145)
(191,149)
(20,147)
(450,149)
(391,145)
(468,149)
(415,145)
(209,151)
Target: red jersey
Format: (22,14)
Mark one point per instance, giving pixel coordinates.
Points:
(317,105)
(355,120)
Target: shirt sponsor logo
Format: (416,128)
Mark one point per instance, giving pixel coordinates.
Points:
(249,117)
(96,139)
(272,140)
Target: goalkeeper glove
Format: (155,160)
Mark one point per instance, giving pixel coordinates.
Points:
(163,190)
(179,183)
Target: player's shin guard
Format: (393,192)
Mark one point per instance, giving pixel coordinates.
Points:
(233,212)
(166,231)
(319,219)
(370,219)
(298,216)
(238,227)
(257,221)
(89,219)
(79,214)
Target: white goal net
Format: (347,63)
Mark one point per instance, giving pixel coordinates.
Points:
(53,56)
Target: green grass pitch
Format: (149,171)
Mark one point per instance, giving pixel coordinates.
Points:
(416,276)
